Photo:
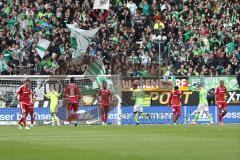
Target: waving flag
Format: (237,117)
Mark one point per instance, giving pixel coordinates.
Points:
(96,70)
(96,73)
(101,4)
(80,39)
(42,47)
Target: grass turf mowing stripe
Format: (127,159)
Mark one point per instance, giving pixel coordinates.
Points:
(121,142)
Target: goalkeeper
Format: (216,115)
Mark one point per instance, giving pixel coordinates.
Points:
(137,95)
(53,96)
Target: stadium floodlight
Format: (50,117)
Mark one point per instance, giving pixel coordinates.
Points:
(160,39)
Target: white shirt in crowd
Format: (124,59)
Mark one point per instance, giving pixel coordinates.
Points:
(132,7)
(145,59)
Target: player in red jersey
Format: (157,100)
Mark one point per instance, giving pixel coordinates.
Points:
(31,109)
(175,101)
(220,100)
(25,100)
(105,97)
(72,93)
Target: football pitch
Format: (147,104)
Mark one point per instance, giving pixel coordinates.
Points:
(151,142)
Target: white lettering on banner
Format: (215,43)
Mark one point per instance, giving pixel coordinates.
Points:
(178,82)
(154,116)
(181,82)
(234,115)
(113,116)
(17,116)
(8,123)
(6,117)
(233,97)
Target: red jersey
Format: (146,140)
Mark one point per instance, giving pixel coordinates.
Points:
(220,92)
(175,98)
(34,97)
(105,96)
(72,92)
(24,94)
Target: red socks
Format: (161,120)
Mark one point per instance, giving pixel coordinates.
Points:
(22,120)
(104,118)
(73,116)
(32,120)
(175,118)
(70,118)
(220,117)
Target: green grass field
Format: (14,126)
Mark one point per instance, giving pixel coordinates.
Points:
(121,143)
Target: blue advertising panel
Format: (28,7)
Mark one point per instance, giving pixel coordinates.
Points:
(159,114)
(233,115)
(93,112)
(163,115)
(191,111)
(14,114)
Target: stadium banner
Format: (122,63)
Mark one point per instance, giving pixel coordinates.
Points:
(188,98)
(91,115)
(212,82)
(233,97)
(191,111)
(190,83)
(154,98)
(146,83)
(230,82)
(159,115)
(87,115)
(163,115)
(9,116)
(233,115)
(181,82)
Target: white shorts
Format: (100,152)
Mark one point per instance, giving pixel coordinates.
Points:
(138,108)
(202,107)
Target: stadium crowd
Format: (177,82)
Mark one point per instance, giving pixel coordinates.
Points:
(201,37)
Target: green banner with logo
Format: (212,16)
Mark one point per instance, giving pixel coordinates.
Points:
(213,82)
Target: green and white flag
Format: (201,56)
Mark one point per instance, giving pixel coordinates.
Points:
(101,4)
(80,39)
(42,47)
(96,73)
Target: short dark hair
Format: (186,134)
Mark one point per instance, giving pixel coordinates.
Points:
(72,79)
(27,80)
(176,87)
